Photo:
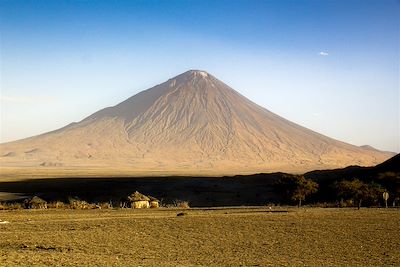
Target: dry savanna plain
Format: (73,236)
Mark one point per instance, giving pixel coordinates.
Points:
(245,236)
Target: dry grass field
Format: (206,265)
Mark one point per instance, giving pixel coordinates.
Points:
(202,237)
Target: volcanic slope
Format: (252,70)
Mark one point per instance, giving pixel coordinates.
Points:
(191,123)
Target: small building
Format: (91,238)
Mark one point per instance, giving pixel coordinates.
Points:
(36,203)
(139,201)
(154,202)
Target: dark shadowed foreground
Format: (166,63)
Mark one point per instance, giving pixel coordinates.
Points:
(199,191)
(240,190)
(218,237)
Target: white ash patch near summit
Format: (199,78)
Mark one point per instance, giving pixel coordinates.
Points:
(203,73)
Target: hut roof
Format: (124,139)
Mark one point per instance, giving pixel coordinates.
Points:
(138,197)
(153,199)
(36,200)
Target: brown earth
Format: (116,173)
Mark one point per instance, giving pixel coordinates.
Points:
(217,237)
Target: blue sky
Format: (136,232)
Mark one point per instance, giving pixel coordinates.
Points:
(331,66)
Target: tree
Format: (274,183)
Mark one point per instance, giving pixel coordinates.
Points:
(359,191)
(297,187)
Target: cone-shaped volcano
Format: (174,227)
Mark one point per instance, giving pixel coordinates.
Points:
(191,123)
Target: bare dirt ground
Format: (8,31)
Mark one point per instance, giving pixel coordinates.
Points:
(202,237)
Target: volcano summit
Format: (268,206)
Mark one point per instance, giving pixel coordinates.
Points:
(193,123)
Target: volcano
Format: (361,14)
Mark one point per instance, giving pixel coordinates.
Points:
(192,123)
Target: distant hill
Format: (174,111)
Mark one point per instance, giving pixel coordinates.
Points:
(387,174)
(192,123)
(363,173)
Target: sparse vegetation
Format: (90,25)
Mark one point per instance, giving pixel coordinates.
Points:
(57,205)
(296,187)
(11,206)
(76,203)
(358,191)
(181,204)
(104,205)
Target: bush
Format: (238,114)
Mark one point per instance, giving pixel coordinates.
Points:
(104,205)
(11,206)
(56,205)
(78,204)
(181,204)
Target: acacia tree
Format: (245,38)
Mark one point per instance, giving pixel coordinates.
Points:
(359,191)
(297,187)
(304,187)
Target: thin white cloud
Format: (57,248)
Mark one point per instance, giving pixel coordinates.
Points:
(26,99)
(323,53)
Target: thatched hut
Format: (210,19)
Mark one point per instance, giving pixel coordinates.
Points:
(139,201)
(154,202)
(36,203)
